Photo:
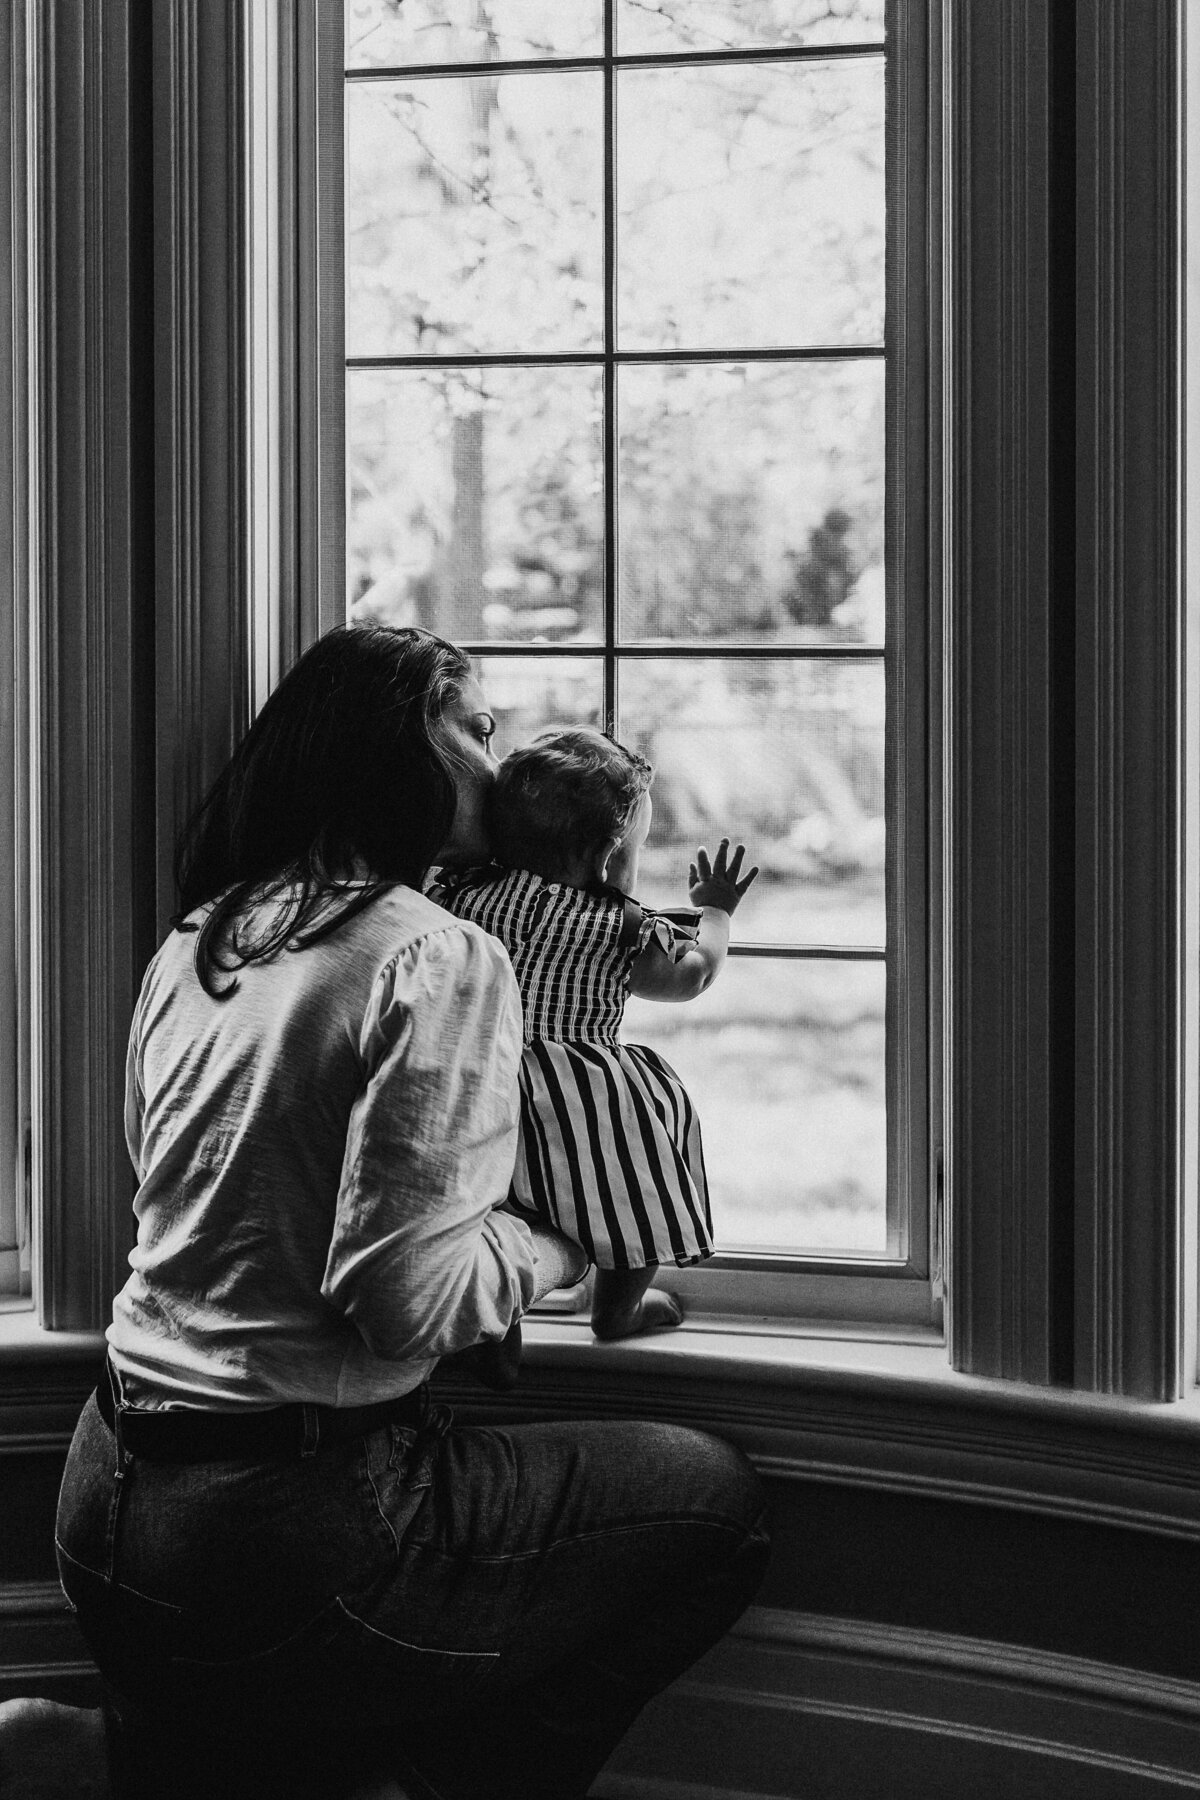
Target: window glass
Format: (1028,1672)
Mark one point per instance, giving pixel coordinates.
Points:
(671,25)
(474,215)
(527,694)
(616,423)
(751,501)
(476,500)
(401,33)
(785,755)
(750,204)
(785,1061)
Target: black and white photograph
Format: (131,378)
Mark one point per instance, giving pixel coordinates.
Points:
(599,899)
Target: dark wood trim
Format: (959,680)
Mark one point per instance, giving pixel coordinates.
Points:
(1004,1146)
(313,355)
(14,659)
(203,624)
(1127,447)
(85,829)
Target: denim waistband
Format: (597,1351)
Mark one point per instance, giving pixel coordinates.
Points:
(183,1435)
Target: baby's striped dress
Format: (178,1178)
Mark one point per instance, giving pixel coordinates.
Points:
(610,1143)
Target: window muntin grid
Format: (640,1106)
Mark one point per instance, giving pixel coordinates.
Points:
(592,626)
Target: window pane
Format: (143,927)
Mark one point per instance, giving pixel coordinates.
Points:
(745,24)
(785,1063)
(473,215)
(750,205)
(751,501)
(397,33)
(787,757)
(528,693)
(476,504)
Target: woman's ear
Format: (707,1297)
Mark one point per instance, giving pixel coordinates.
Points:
(604,856)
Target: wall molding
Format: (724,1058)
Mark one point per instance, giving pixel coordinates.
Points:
(1007,780)
(969,1655)
(1069,1117)
(939,1435)
(41,1650)
(900,1421)
(203,628)
(86,823)
(781,1677)
(791,1703)
(1129,1101)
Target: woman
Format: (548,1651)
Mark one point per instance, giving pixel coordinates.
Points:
(288,1563)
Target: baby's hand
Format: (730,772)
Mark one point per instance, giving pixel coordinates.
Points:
(721,882)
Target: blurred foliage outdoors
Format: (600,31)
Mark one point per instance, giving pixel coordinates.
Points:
(748,494)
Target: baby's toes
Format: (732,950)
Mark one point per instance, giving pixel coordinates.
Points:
(660,1311)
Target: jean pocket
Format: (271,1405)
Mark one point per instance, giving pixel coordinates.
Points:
(419,1680)
(338,1667)
(415,1450)
(247,1649)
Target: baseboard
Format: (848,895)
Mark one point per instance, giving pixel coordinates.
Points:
(810,1707)
(41,1651)
(814,1708)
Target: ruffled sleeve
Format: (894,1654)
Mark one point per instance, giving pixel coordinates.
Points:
(674,936)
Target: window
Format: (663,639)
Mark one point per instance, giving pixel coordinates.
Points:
(630,388)
(1035,256)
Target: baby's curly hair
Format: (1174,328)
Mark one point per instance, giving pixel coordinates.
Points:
(562,797)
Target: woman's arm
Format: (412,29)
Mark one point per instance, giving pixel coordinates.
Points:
(420,1258)
(560,1263)
(716,889)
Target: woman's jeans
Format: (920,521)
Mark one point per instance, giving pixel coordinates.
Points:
(481,1612)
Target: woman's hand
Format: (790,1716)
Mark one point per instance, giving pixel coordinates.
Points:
(721,882)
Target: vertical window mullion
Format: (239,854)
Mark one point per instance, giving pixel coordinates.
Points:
(610,375)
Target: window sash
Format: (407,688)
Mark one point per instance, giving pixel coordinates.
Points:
(856,1286)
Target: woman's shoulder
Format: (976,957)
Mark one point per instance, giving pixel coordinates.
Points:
(406,920)
(398,923)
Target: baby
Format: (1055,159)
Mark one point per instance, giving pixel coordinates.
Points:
(609,1148)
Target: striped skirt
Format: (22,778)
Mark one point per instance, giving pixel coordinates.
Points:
(610,1153)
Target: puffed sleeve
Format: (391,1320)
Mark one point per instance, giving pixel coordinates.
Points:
(674,936)
(420,1259)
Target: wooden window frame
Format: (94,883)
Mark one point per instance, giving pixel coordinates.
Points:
(901,1289)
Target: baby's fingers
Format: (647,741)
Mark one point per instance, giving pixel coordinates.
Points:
(702,864)
(735,862)
(747,878)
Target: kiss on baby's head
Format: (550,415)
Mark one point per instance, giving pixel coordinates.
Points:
(560,799)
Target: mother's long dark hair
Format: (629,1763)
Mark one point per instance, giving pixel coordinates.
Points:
(344,769)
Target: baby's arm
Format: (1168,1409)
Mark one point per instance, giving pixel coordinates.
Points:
(716,889)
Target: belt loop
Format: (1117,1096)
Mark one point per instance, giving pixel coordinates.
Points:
(117,1391)
(312,1429)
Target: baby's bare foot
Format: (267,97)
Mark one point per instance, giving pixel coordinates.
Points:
(655,1311)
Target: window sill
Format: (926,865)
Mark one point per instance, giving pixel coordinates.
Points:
(869,1411)
(902,1363)
(22,1339)
(864,1410)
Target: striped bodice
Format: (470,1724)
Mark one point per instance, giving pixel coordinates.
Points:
(565,946)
